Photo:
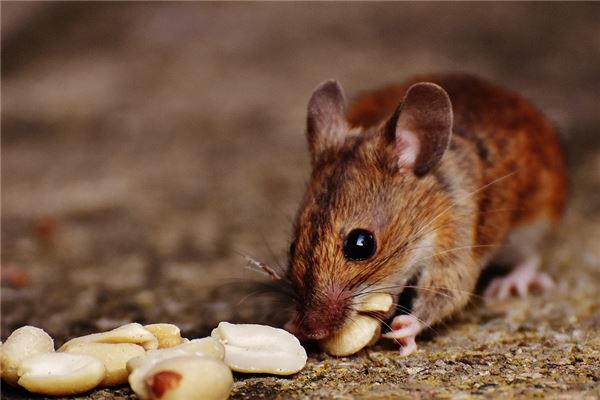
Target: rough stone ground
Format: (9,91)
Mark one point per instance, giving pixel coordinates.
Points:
(144,146)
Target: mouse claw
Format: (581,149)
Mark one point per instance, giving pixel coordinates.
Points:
(522,280)
(409,346)
(405,329)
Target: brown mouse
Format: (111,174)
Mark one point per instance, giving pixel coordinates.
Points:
(424,183)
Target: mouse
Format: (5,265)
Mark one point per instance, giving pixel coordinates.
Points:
(421,185)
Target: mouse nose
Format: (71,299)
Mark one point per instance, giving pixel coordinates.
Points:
(315,327)
(324,317)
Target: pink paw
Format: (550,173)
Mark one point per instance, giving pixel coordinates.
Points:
(405,329)
(521,280)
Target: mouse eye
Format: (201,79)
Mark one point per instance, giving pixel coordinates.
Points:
(359,245)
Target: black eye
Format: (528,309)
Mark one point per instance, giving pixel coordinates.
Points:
(359,245)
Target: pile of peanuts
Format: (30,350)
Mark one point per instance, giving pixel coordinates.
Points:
(159,364)
(156,361)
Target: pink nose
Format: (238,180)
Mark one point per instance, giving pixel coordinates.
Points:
(305,332)
(302,334)
(316,327)
(324,316)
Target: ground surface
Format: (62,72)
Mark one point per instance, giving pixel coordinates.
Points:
(144,146)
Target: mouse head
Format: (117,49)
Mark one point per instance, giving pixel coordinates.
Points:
(357,230)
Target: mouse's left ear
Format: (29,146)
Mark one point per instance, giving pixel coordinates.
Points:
(326,125)
(421,128)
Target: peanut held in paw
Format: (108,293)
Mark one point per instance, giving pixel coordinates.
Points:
(375,302)
(359,332)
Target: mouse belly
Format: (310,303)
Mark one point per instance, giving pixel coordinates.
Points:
(521,243)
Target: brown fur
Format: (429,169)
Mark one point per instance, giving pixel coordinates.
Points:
(510,134)
(503,169)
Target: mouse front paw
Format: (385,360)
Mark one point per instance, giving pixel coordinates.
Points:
(405,329)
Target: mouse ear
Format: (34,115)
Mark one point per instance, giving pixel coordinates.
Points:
(326,122)
(421,128)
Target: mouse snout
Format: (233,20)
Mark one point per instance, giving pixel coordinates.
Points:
(324,316)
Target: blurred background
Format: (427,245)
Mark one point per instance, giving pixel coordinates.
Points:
(145,146)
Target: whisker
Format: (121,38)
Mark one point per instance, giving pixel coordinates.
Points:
(456,249)
(301,320)
(272,253)
(422,258)
(441,290)
(466,197)
(262,267)
(420,234)
(248,296)
(282,287)
(404,309)
(407,311)
(362,275)
(436,289)
(379,318)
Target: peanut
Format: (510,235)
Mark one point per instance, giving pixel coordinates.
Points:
(60,374)
(187,377)
(168,335)
(114,357)
(21,344)
(259,348)
(130,333)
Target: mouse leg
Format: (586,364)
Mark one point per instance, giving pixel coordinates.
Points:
(443,288)
(524,277)
(405,329)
